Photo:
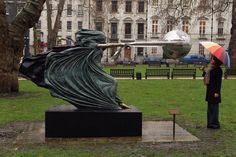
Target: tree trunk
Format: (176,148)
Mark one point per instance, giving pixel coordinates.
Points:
(52,33)
(12,42)
(7,78)
(49,26)
(232,45)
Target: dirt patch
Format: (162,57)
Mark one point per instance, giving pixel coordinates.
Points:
(8,134)
(4,133)
(12,130)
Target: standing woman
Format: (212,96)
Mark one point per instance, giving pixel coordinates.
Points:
(212,80)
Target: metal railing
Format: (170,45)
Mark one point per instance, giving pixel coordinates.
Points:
(202,36)
(114,36)
(220,36)
(128,36)
(155,35)
(140,36)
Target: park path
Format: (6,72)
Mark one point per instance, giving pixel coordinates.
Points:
(152,132)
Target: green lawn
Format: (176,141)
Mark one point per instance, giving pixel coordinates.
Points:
(154,98)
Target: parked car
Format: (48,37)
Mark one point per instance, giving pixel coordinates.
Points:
(194,58)
(151,60)
(171,61)
(125,62)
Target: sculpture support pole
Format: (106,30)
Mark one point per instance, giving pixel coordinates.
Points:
(143,44)
(111,45)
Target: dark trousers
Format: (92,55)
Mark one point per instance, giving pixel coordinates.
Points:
(213,115)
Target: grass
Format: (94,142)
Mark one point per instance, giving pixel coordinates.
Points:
(28,106)
(154,98)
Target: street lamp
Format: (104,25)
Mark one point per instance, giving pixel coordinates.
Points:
(146,36)
(26,45)
(107,57)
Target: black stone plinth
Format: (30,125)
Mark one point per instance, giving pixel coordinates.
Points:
(69,122)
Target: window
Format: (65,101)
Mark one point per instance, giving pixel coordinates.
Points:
(169,25)
(128,30)
(170,2)
(38,36)
(68,40)
(154,27)
(98,26)
(60,25)
(80,25)
(58,40)
(154,50)
(185,3)
(201,49)
(69,25)
(19,7)
(140,51)
(7,9)
(204,5)
(69,9)
(141,6)
(185,26)
(221,2)
(194,57)
(114,30)
(128,6)
(202,27)
(114,6)
(38,25)
(50,7)
(99,5)
(154,2)
(140,30)
(80,10)
(220,31)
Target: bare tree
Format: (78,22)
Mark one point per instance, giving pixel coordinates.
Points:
(175,10)
(53,31)
(12,42)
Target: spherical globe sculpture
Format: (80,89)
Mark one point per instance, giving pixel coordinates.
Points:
(176,51)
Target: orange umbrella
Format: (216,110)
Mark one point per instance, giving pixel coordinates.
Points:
(217,51)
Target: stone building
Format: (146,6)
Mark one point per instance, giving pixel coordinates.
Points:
(141,20)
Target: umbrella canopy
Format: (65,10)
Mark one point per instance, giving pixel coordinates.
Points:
(217,51)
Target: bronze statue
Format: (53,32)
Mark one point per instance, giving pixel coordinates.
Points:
(75,73)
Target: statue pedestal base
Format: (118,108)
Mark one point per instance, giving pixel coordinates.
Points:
(67,121)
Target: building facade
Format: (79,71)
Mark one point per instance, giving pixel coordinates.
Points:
(140,20)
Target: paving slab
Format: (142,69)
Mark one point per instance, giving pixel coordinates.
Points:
(162,131)
(152,132)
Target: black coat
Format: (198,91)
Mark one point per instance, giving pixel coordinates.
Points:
(214,85)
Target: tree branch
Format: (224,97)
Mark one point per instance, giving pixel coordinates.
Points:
(27,18)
